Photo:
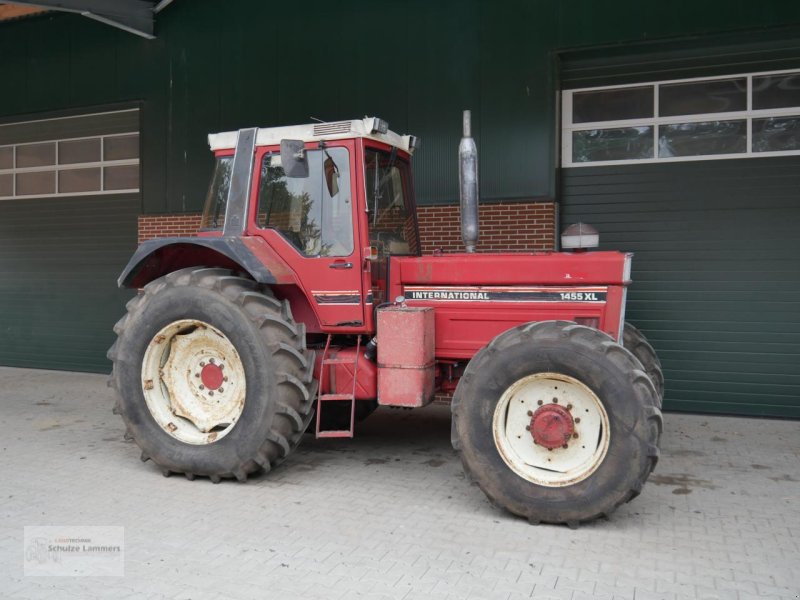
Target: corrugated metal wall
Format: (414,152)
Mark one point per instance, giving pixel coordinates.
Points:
(716,277)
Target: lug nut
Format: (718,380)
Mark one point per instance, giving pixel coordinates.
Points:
(211,360)
(565,446)
(549,450)
(569,406)
(210,393)
(578,420)
(222,389)
(540,402)
(530,414)
(555,400)
(221,366)
(202,363)
(527,427)
(202,387)
(224,378)
(575,436)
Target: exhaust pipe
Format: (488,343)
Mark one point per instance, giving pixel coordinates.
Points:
(468,185)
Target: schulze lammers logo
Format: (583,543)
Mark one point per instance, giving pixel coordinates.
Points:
(89,550)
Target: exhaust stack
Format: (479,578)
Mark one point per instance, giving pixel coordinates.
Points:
(468,185)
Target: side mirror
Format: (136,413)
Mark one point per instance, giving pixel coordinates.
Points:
(331,176)
(293,158)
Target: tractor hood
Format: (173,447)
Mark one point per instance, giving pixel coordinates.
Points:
(546,268)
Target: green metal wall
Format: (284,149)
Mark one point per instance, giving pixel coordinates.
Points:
(716,277)
(225,65)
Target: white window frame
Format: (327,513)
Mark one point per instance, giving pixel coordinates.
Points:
(568,127)
(57,168)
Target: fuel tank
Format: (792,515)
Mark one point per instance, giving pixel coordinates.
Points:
(405,356)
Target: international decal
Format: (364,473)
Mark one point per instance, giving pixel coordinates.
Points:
(506,294)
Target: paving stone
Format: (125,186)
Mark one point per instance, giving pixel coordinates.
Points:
(389,514)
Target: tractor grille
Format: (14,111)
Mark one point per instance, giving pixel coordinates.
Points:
(332,128)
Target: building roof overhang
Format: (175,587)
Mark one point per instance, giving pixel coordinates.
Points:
(133,16)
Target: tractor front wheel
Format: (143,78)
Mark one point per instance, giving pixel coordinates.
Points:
(212,375)
(556,422)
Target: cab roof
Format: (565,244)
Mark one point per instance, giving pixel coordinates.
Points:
(369,127)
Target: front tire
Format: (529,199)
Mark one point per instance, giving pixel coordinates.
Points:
(527,403)
(212,375)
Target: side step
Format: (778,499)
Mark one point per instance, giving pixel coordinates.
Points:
(323,398)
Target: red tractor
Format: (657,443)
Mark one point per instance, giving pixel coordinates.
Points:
(305,298)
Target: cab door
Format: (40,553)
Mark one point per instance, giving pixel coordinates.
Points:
(309,219)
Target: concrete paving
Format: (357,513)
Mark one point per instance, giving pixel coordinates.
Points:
(389,514)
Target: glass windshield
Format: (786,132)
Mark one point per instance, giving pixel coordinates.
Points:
(217,196)
(392,222)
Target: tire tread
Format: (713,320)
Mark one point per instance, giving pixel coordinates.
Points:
(532,333)
(272,317)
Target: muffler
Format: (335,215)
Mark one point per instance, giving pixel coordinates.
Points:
(468,185)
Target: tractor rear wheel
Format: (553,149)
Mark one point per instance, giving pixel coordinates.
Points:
(634,340)
(212,375)
(556,422)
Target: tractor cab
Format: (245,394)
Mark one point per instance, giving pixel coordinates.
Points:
(332,200)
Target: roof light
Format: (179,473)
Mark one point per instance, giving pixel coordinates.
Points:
(379,125)
(580,236)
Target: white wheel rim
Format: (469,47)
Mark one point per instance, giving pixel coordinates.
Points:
(193,382)
(560,466)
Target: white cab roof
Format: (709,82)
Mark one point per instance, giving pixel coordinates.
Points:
(313,132)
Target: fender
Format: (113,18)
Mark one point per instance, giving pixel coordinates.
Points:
(155,258)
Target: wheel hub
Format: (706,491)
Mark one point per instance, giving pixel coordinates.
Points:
(212,376)
(551,429)
(552,426)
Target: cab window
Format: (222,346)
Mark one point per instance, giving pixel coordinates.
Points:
(392,224)
(312,213)
(217,196)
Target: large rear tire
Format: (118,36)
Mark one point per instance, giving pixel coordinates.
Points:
(556,422)
(633,339)
(212,375)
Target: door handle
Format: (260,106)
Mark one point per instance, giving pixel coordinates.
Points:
(341,265)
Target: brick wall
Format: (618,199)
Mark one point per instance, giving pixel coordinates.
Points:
(504,226)
(154,226)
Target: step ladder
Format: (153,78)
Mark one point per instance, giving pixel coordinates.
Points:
(323,398)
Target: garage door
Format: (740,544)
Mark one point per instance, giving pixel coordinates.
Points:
(701,179)
(69,200)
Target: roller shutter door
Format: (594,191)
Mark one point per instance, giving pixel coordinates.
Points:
(60,254)
(716,276)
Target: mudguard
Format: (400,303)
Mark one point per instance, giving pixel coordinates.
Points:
(158,257)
